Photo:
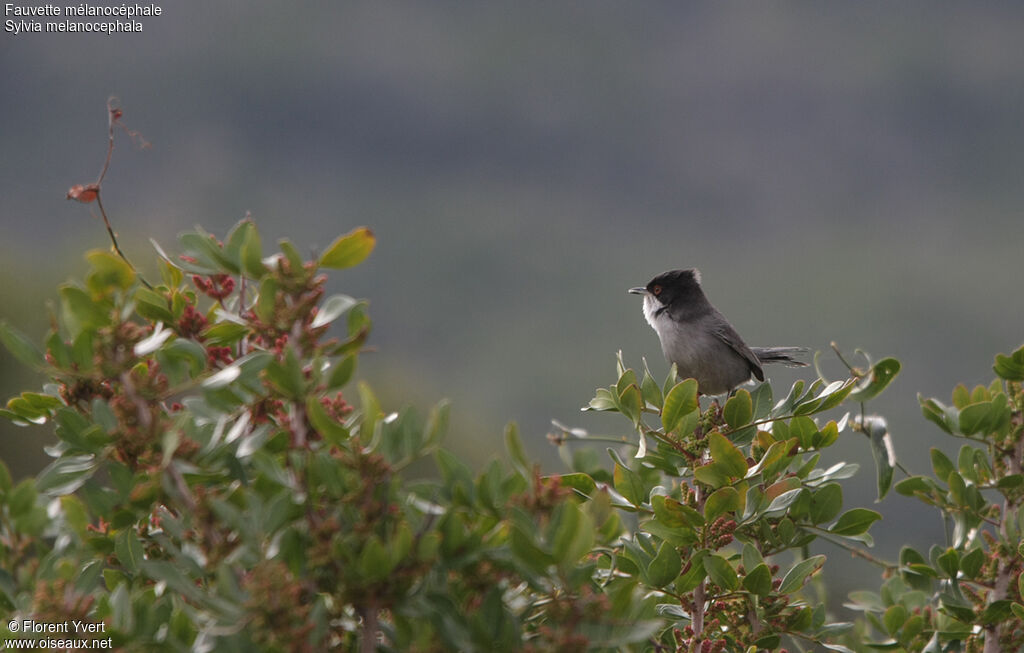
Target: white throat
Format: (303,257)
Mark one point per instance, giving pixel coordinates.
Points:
(651,308)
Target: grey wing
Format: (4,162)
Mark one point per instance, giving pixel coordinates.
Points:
(728,335)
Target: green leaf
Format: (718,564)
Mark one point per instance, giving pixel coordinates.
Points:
(882,451)
(941,464)
(202,247)
(650,389)
(696,573)
(711,474)
(66,474)
(5,479)
(671,379)
(334,307)
(723,452)
(782,502)
(266,301)
(603,400)
(153,305)
(894,618)
(855,522)
(827,436)
(341,372)
(674,514)
(291,254)
(57,348)
(332,431)
(20,346)
(573,533)
(835,393)
(1010,482)
(758,580)
(224,333)
(628,484)
(22,498)
(680,401)
(865,601)
(739,409)
(252,254)
(996,612)
(578,481)
(722,500)
(971,562)
(761,400)
(914,485)
(785,406)
(108,270)
(81,312)
(525,548)
(1010,367)
(374,562)
(75,514)
(961,396)
(631,403)
(242,369)
(982,416)
(881,375)
(826,503)
(774,459)
(185,353)
(436,426)
(949,562)
(803,429)
(358,324)
(33,405)
(455,474)
(626,378)
(235,238)
(751,557)
(665,566)
(958,488)
(619,636)
(794,578)
(516,451)
(349,250)
(286,375)
(721,572)
(174,577)
(128,550)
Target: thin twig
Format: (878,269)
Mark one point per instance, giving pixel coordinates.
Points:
(113,116)
(856,551)
(842,359)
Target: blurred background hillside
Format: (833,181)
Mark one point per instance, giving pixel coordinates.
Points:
(850,172)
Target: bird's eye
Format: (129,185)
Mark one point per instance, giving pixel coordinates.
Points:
(656,290)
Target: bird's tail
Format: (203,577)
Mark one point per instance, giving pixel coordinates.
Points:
(784,355)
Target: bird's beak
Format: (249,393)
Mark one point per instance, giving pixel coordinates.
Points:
(639,290)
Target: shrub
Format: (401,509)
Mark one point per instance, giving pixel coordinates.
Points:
(221,482)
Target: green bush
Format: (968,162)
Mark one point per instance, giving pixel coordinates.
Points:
(214,489)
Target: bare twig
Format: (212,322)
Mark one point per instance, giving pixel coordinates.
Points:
(91,192)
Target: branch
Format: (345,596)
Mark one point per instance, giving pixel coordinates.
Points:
(90,192)
(368,642)
(994,632)
(855,551)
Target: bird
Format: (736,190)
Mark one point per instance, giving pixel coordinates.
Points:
(698,338)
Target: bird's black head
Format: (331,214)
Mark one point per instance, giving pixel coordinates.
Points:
(674,286)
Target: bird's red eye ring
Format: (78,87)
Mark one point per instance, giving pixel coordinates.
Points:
(656,290)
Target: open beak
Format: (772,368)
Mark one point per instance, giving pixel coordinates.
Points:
(640,290)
